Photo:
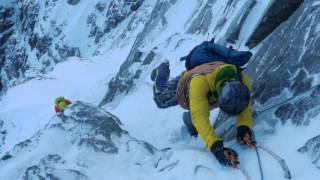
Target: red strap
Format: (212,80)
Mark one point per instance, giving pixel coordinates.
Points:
(57,109)
(67,102)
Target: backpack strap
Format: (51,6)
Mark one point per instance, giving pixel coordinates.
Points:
(239,73)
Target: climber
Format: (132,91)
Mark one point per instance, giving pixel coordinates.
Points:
(61,104)
(217,82)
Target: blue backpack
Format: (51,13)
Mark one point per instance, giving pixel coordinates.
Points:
(208,51)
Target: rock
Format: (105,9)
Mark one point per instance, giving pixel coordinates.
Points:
(3,132)
(100,6)
(73,2)
(149,58)
(46,169)
(65,51)
(5,18)
(286,70)
(118,10)
(203,20)
(124,80)
(233,31)
(28,16)
(277,13)
(4,38)
(312,148)
(43,44)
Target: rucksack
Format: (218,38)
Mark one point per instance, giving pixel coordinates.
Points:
(208,51)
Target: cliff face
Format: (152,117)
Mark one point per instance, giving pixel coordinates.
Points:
(286,68)
(285,73)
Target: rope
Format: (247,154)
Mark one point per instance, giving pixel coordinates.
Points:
(260,165)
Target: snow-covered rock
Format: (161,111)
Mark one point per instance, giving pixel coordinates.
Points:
(74,144)
(312,148)
(73,2)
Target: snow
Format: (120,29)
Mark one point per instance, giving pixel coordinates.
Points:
(316,3)
(6,2)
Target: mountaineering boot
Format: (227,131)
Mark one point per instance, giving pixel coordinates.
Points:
(163,68)
(187,121)
(161,76)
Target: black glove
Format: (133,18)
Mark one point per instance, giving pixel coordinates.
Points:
(225,156)
(245,135)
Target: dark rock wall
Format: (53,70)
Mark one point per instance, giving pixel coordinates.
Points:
(277,13)
(287,66)
(73,2)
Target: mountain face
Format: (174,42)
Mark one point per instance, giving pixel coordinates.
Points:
(36,35)
(88,142)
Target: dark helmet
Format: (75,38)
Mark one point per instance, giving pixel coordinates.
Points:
(233,97)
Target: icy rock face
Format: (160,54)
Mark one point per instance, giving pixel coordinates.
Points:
(118,11)
(290,68)
(83,138)
(278,12)
(21,37)
(312,148)
(115,12)
(6,31)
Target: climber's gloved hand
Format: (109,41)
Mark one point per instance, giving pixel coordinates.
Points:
(245,136)
(225,156)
